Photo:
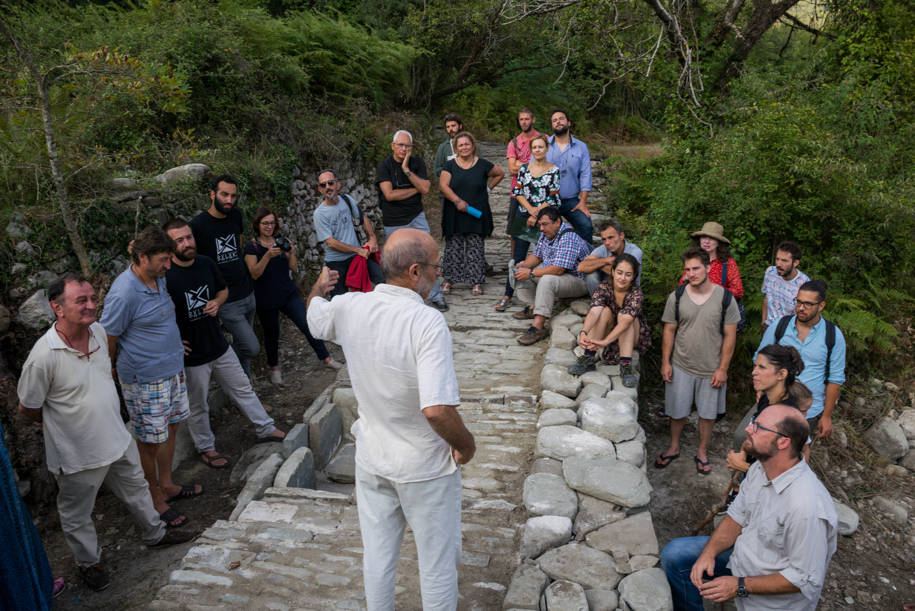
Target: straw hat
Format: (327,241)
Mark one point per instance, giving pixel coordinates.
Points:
(712,230)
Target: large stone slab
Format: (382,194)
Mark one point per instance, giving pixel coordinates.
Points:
(296,438)
(565,596)
(887,438)
(547,465)
(625,399)
(257,483)
(580,306)
(906,421)
(607,479)
(577,562)
(594,513)
(608,419)
(325,429)
(646,590)
(632,452)
(544,532)
(548,494)
(297,471)
(558,380)
(251,460)
(561,442)
(524,590)
(595,377)
(559,356)
(556,417)
(565,319)
(562,338)
(342,468)
(36,313)
(553,400)
(633,536)
(602,600)
(189,171)
(591,391)
(847,519)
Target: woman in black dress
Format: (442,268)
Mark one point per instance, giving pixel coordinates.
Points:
(466,181)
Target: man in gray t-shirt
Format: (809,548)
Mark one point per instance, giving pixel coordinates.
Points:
(335,224)
(697,347)
(597,266)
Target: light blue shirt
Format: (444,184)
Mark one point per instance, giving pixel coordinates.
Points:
(336,222)
(629,248)
(143,320)
(813,353)
(574,166)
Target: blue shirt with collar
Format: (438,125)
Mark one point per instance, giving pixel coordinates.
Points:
(574,165)
(813,353)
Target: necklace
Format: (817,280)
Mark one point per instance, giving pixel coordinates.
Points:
(67,341)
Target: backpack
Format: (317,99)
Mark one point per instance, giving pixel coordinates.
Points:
(725,302)
(742,323)
(782,326)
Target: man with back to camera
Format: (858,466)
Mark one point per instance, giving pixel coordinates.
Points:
(573,158)
(218,233)
(198,291)
(597,267)
(402,181)
(781,283)
(335,219)
(66,386)
(410,438)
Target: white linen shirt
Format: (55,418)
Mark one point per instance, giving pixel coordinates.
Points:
(81,415)
(400,361)
(789,527)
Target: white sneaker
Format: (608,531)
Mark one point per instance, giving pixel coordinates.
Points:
(276,377)
(333,364)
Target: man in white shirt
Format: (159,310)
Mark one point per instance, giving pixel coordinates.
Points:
(410,438)
(772,549)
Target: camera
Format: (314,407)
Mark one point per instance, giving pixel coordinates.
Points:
(282,243)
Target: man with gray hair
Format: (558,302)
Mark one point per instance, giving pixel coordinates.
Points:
(402,180)
(410,438)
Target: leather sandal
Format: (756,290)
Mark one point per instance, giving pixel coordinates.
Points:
(503,304)
(446,288)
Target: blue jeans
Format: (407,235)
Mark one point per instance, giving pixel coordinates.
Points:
(419,222)
(677,560)
(238,319)
(294,309)
(578,219)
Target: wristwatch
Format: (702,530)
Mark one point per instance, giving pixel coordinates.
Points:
(741,588)
(408,173)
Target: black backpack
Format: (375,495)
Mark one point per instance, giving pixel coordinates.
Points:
(782,326)
(742,323)
(725,302)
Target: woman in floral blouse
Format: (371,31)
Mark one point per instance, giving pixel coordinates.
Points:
(536,188)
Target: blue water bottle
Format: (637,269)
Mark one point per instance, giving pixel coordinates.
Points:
(473,211)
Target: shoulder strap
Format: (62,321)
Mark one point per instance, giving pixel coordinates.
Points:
(724,274)
(349,204)
(830,343)
(781,327)
(677,295)
(725,303)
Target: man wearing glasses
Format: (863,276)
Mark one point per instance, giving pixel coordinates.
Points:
(772,549)
(336,218)
(822,348)
(402,181)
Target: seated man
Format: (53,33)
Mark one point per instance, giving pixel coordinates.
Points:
(597,267)
(553,270)
(335,220)
(772,549)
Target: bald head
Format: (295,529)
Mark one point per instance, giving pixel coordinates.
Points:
(404,248)
(791,422)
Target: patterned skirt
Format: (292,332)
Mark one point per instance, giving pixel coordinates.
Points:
(464,261)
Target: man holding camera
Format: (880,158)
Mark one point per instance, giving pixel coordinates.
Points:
(336,219)
(218,232)
(199,292)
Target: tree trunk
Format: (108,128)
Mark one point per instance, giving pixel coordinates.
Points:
(50,137)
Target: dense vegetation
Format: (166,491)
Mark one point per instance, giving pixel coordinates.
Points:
(799,127)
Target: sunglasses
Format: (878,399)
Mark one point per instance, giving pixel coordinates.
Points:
(327,183)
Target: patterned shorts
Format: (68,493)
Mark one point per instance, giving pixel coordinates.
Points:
(152,406)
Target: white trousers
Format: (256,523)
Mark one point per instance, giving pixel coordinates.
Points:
(433,510)
(231,377)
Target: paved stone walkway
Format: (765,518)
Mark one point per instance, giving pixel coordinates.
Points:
(301,549)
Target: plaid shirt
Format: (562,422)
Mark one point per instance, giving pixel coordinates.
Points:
(565,250)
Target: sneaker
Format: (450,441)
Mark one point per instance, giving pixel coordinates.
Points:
(525,314)
(585,363)
(630,378)
(276,377)
(95,577)
(333,364)
(532,336)
(441,305)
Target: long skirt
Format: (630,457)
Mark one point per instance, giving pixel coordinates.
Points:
(464,261)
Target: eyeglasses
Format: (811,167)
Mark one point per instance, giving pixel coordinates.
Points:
(268,223)
(327,183)
(808,304)
(403,146)
(435,265)
(757,426)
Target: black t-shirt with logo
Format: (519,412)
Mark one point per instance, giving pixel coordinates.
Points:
(191,288)
(395,214)
(218,239)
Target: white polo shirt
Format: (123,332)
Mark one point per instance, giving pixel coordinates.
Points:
(399,356)
(81,413)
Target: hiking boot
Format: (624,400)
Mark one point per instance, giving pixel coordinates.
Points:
(95,577)
(630,378)
(532,336)
(526,314)
(585,363)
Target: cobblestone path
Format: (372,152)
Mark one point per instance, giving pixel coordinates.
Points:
(301,549)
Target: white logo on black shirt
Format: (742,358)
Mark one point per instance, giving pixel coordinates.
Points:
(226,248)
(196,299)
